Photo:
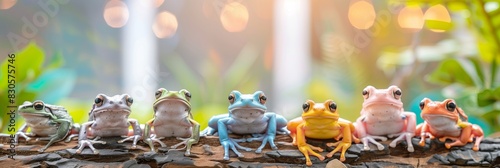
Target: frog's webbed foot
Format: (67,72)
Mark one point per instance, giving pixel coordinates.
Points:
(309,150)
(371,139)
(83,143)
(265,139)
(230,144)
(70,137)
(207,132)
(134,140)
(152,139)
(283,131)
(400,137)
(23,135)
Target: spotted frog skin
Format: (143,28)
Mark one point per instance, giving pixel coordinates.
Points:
(109,118)
(49,122)
(321,121)
(445,120)
(247,115)
(383,115)
(172,118)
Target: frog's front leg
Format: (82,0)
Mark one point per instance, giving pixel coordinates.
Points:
(22,133)
(136,134)
(224,139)
(365,138)
(195,137)
(270,133)
(305,148)
(149,138)
(62,132)
(83,141)
(408,132)
(345,143)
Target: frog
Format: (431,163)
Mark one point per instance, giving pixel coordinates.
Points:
(47,122)
(109,117)
(247,115)
(321,121)
(382,116)
(445,120)
(172,118)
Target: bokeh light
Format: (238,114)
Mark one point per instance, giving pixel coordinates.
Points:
(158,3)
(165,25)
(234,17)
(116,13)
(411,18)
(437,13)
(7,4)
(361,15)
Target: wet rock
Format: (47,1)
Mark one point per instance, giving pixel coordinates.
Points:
(41,157)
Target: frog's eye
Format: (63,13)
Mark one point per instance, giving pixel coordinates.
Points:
(98,101)
(422,105)
(305,107)
(129,101)
(397,94)
(333,106)
(158,93)
(231,98)
(38,106)
(262,99)
(451,106)
(365,94)
(188,95)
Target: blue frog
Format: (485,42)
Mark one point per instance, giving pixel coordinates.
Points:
(247,115)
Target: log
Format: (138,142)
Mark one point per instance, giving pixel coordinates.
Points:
(208,153)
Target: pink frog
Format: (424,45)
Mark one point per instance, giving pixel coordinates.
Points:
(383,115)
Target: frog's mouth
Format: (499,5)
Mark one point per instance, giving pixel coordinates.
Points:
(34,114)
(247,115)
(438,119)
(113,110)
(158,102)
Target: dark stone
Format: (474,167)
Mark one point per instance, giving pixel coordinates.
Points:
(41,157)
(440,159)
(387,164)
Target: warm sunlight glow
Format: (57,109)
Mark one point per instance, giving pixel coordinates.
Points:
(411,17)
(234,17)
(116,13)
(7,4)
(437,13)
(165,25)
(361,15)
(158,3)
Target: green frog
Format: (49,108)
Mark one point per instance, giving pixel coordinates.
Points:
(47,122)
(172,118)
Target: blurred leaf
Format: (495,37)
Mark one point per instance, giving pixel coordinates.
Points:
(438,25)
(56,61)
(488,96)
(456,6)
(28,63)
(53,85)
(455,71)
(241,66)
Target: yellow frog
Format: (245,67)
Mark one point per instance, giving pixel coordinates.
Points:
(321,121)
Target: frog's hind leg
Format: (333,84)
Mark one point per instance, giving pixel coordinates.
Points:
(61,133)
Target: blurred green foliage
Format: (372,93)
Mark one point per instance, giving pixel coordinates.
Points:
(473,80)
(34,80)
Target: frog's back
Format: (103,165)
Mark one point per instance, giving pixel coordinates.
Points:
(60,112)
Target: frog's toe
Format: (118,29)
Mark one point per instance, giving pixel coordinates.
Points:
(41,150)
(411,149)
